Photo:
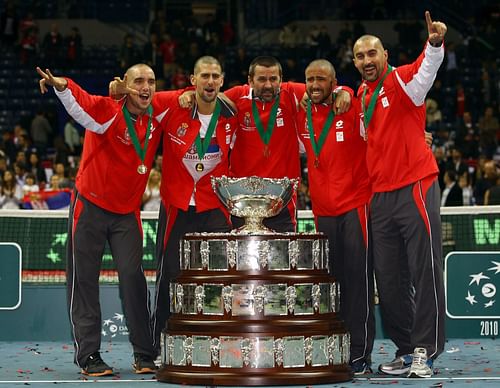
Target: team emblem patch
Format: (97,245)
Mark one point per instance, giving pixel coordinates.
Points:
(181,131)
(247,120)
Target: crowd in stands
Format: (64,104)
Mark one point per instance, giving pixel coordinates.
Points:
(38,162)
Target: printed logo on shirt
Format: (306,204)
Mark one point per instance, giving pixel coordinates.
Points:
(279,122)
(125,139)
(382,91)
(385,102)
(339,124)
(181,131)
(340,136)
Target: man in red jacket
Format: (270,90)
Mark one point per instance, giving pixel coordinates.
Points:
(266,142)
(406,226)
(120,143)
(195,147)
(340,190)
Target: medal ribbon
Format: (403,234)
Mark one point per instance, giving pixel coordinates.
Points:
(368,112)
(141,152)
(324,131)
(265,135)
(202,145)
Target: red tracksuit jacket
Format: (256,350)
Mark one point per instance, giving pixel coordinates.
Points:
(108,174)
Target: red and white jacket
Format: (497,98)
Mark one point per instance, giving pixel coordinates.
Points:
(108,174)
(397,154)
(247,156)
(339,181)
(177,184)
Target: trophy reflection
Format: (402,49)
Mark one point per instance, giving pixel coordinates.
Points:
(254,198)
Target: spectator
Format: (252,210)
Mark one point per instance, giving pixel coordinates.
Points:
(151,199)
(464,182)
(433,115)
(72,137)
(60,172)
(440,156)
(153,55)
(179,80)
(492,195)
(3,166)
(169,51)
(452,193)
(9,25)
(8,146)
(28,23)
(488,127)
(345,33)
(29,46)
(159,25)
(289,36)
(129,54)
(41,131)
(324,43)
(20,173)
(54,183)
(30,185)
(487,180)
(467,137)
(451,65)
(239,70)
(11,193)
(73,47)
(52,46)
(35,167)
(312,41)
(457,163)
(62,151)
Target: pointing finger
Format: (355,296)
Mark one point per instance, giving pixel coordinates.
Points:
(428,19)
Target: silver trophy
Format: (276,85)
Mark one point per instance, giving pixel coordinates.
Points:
(254,198)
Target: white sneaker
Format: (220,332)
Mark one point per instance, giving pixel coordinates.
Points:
(421,367)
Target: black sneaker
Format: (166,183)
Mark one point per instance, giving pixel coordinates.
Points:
(96,367)
(144,364)
(360,367)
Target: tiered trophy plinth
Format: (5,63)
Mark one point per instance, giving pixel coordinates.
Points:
(252,309)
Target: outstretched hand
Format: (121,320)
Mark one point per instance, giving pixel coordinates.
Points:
(118,88)
(437,30)
(59,83)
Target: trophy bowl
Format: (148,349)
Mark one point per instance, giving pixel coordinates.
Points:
(254,198)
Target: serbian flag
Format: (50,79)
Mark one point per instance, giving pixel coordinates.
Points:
(47,200)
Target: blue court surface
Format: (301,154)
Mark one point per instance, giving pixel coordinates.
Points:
(464,363)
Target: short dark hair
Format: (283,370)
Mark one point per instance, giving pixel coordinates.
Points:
(266,61)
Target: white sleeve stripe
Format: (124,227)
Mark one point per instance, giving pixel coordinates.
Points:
(160,117)
(422,81)
(76,111)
